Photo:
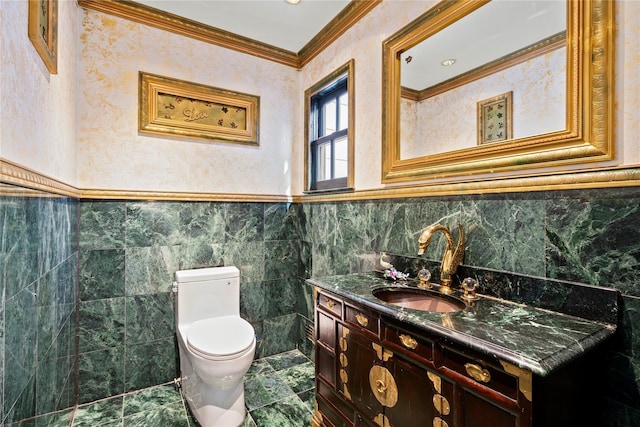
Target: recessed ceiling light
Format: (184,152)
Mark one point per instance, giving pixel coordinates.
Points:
(292,1)
(448,62)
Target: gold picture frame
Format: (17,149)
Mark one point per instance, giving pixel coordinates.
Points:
(495,123)
(43,31)
(179,108)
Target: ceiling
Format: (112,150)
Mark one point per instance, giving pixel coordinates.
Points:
(274,22)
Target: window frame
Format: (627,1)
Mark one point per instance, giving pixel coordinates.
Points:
(329,87)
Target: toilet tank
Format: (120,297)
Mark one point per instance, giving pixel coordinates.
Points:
(207,292)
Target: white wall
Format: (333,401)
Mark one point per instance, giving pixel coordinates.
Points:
(37,109)
(113,155)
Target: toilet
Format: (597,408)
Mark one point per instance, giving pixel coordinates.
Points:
(216,346)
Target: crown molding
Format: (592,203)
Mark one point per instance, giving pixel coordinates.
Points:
(143,14)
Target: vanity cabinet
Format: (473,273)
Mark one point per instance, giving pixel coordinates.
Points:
(376,371)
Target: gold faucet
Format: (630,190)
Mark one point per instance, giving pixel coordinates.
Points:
(450,259)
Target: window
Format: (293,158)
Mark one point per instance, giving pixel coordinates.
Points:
(329,132)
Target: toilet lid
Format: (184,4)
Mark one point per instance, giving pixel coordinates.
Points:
(220,336)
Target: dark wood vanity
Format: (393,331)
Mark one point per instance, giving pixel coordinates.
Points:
(374,369)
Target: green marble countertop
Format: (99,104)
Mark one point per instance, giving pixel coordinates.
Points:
(531,338)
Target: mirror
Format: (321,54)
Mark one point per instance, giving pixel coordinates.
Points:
(533,91)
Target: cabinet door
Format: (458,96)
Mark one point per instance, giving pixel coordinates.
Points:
(476,411)
(423,396)
(356,357)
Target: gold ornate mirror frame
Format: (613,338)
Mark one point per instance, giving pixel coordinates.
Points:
(588,136)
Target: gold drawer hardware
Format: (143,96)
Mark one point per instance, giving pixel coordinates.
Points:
(436,380)
(383,386)
(382,421)
(362,320)
(330,304)
(439,422)
(344,377)
(477,373)
(408,341)
(343,360)
(441,404)
(343,344)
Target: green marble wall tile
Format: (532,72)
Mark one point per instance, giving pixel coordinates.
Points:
(280,221)
(305,299)
(102,274)
(248,257)
(281,259)
(245,222)
(150,270)
(281,296)
(20,338)
(505,233)
(279,334)
(253,301)
(23,405)
(102,224)
(152,224)
(322,225)
(305,256)
(593,237)
(100,374)
(149,318)
(202,223)
(196,255)
(150,364)
(102,324)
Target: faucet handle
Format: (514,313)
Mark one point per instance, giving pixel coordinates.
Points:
(469,286)
(425,276)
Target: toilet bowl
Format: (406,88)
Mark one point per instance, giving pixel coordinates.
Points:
(216,346)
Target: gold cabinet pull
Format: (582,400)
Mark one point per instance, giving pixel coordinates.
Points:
(408,341)
(362,320)
(330,304)
(383,386)
(478,373)
(439,422)
(441,404)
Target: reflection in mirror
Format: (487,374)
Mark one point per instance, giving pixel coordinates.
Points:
(555,72)
(503,46)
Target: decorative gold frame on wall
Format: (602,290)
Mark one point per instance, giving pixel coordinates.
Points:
(486,118)
(43,31)
(174,107)
(588,137)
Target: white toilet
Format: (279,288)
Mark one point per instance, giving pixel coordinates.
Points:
(216,345)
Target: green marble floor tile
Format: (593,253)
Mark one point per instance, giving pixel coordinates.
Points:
(286,360)
(150,399)
(171,415)
(308,398)
(258,368)
(290,412)
(264,390)
(248,422)
(101,413)
(300,377)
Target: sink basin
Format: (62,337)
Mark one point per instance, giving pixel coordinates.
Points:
(419,299)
